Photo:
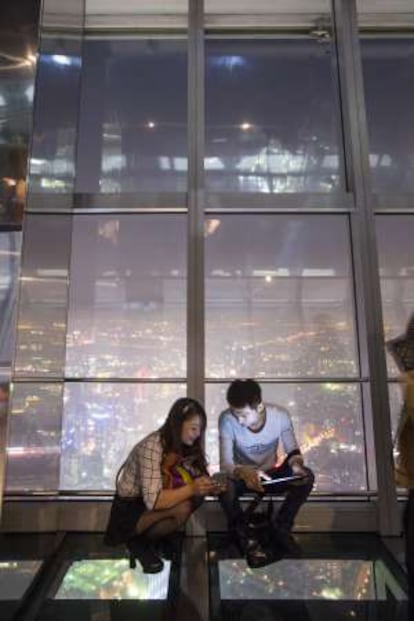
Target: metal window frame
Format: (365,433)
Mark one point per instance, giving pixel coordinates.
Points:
(359,203)
(195,263)
(367,281)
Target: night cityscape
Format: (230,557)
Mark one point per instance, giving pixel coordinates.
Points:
(108,300)
(102,421)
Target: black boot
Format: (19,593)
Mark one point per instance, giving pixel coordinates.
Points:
(170,546)
(257,556)
(250,547)
(141,549)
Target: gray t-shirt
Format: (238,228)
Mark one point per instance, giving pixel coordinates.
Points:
(240,446)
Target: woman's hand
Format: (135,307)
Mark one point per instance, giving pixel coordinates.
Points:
(203,486)
(250,476)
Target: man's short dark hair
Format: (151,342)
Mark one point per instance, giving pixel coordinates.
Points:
(244,392)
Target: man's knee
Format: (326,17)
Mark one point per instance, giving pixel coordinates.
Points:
(234,488)
(310,478)
(304,487)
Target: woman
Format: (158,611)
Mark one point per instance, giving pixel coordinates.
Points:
(404,474)
(162,481)
(402,350)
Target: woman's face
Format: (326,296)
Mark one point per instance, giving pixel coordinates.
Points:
(191,430)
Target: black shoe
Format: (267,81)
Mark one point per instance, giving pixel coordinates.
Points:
(169,547)
(141,549)
(284,541)
(257,556)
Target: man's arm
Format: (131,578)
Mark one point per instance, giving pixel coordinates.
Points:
(291,446)
(296,462)
(226,446)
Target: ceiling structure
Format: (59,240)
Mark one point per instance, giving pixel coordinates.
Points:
(133,14)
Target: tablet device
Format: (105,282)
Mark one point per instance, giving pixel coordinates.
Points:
(292,477)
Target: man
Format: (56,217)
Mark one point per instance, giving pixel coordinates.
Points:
(250,432)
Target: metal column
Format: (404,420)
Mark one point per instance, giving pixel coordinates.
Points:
(195,259)
(369,309)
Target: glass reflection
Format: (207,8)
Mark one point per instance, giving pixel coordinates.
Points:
(15,578)
(278,301)
(33,448)
(271,121)
(395,394)
(4,394)
(102,422)
(132,135)
(112,579)
(52,162)
(310,579)
(328,424)
(42,312)
(396,264)
(127,301)
(308,9)
(9,268)
(18,47)
(389,95)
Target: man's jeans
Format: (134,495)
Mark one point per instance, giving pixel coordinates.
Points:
(295,494)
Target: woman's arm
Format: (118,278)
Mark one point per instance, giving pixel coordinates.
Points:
(168,498)
(155,497)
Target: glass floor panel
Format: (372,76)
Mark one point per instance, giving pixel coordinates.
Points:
(112,579)
(308,579)
(15,578)
(340,577)
(95,583)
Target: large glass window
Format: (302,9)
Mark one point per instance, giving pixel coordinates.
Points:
(328,423)
(388,65)
(396,261)
(132,134)
(127,298)
(34,442)
(279,298)
(43,299)
(9,268)
(102,422)
(103,295)
(52,162)
(271,115)
(17,69)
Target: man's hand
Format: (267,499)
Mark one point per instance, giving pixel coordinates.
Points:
(204,486)
(250,476)
(298,468)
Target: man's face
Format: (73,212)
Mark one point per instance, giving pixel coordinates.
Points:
(246,416)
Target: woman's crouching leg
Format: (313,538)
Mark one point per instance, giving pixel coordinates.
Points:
(163,532)
(157,524)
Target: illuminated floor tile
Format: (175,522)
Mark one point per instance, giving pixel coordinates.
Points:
(112,579)
(308,579)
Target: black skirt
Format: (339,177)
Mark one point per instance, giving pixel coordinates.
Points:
(125,513)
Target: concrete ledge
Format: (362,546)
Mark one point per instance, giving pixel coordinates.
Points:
(91,515)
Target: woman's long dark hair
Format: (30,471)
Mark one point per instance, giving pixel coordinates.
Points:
(170,432)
